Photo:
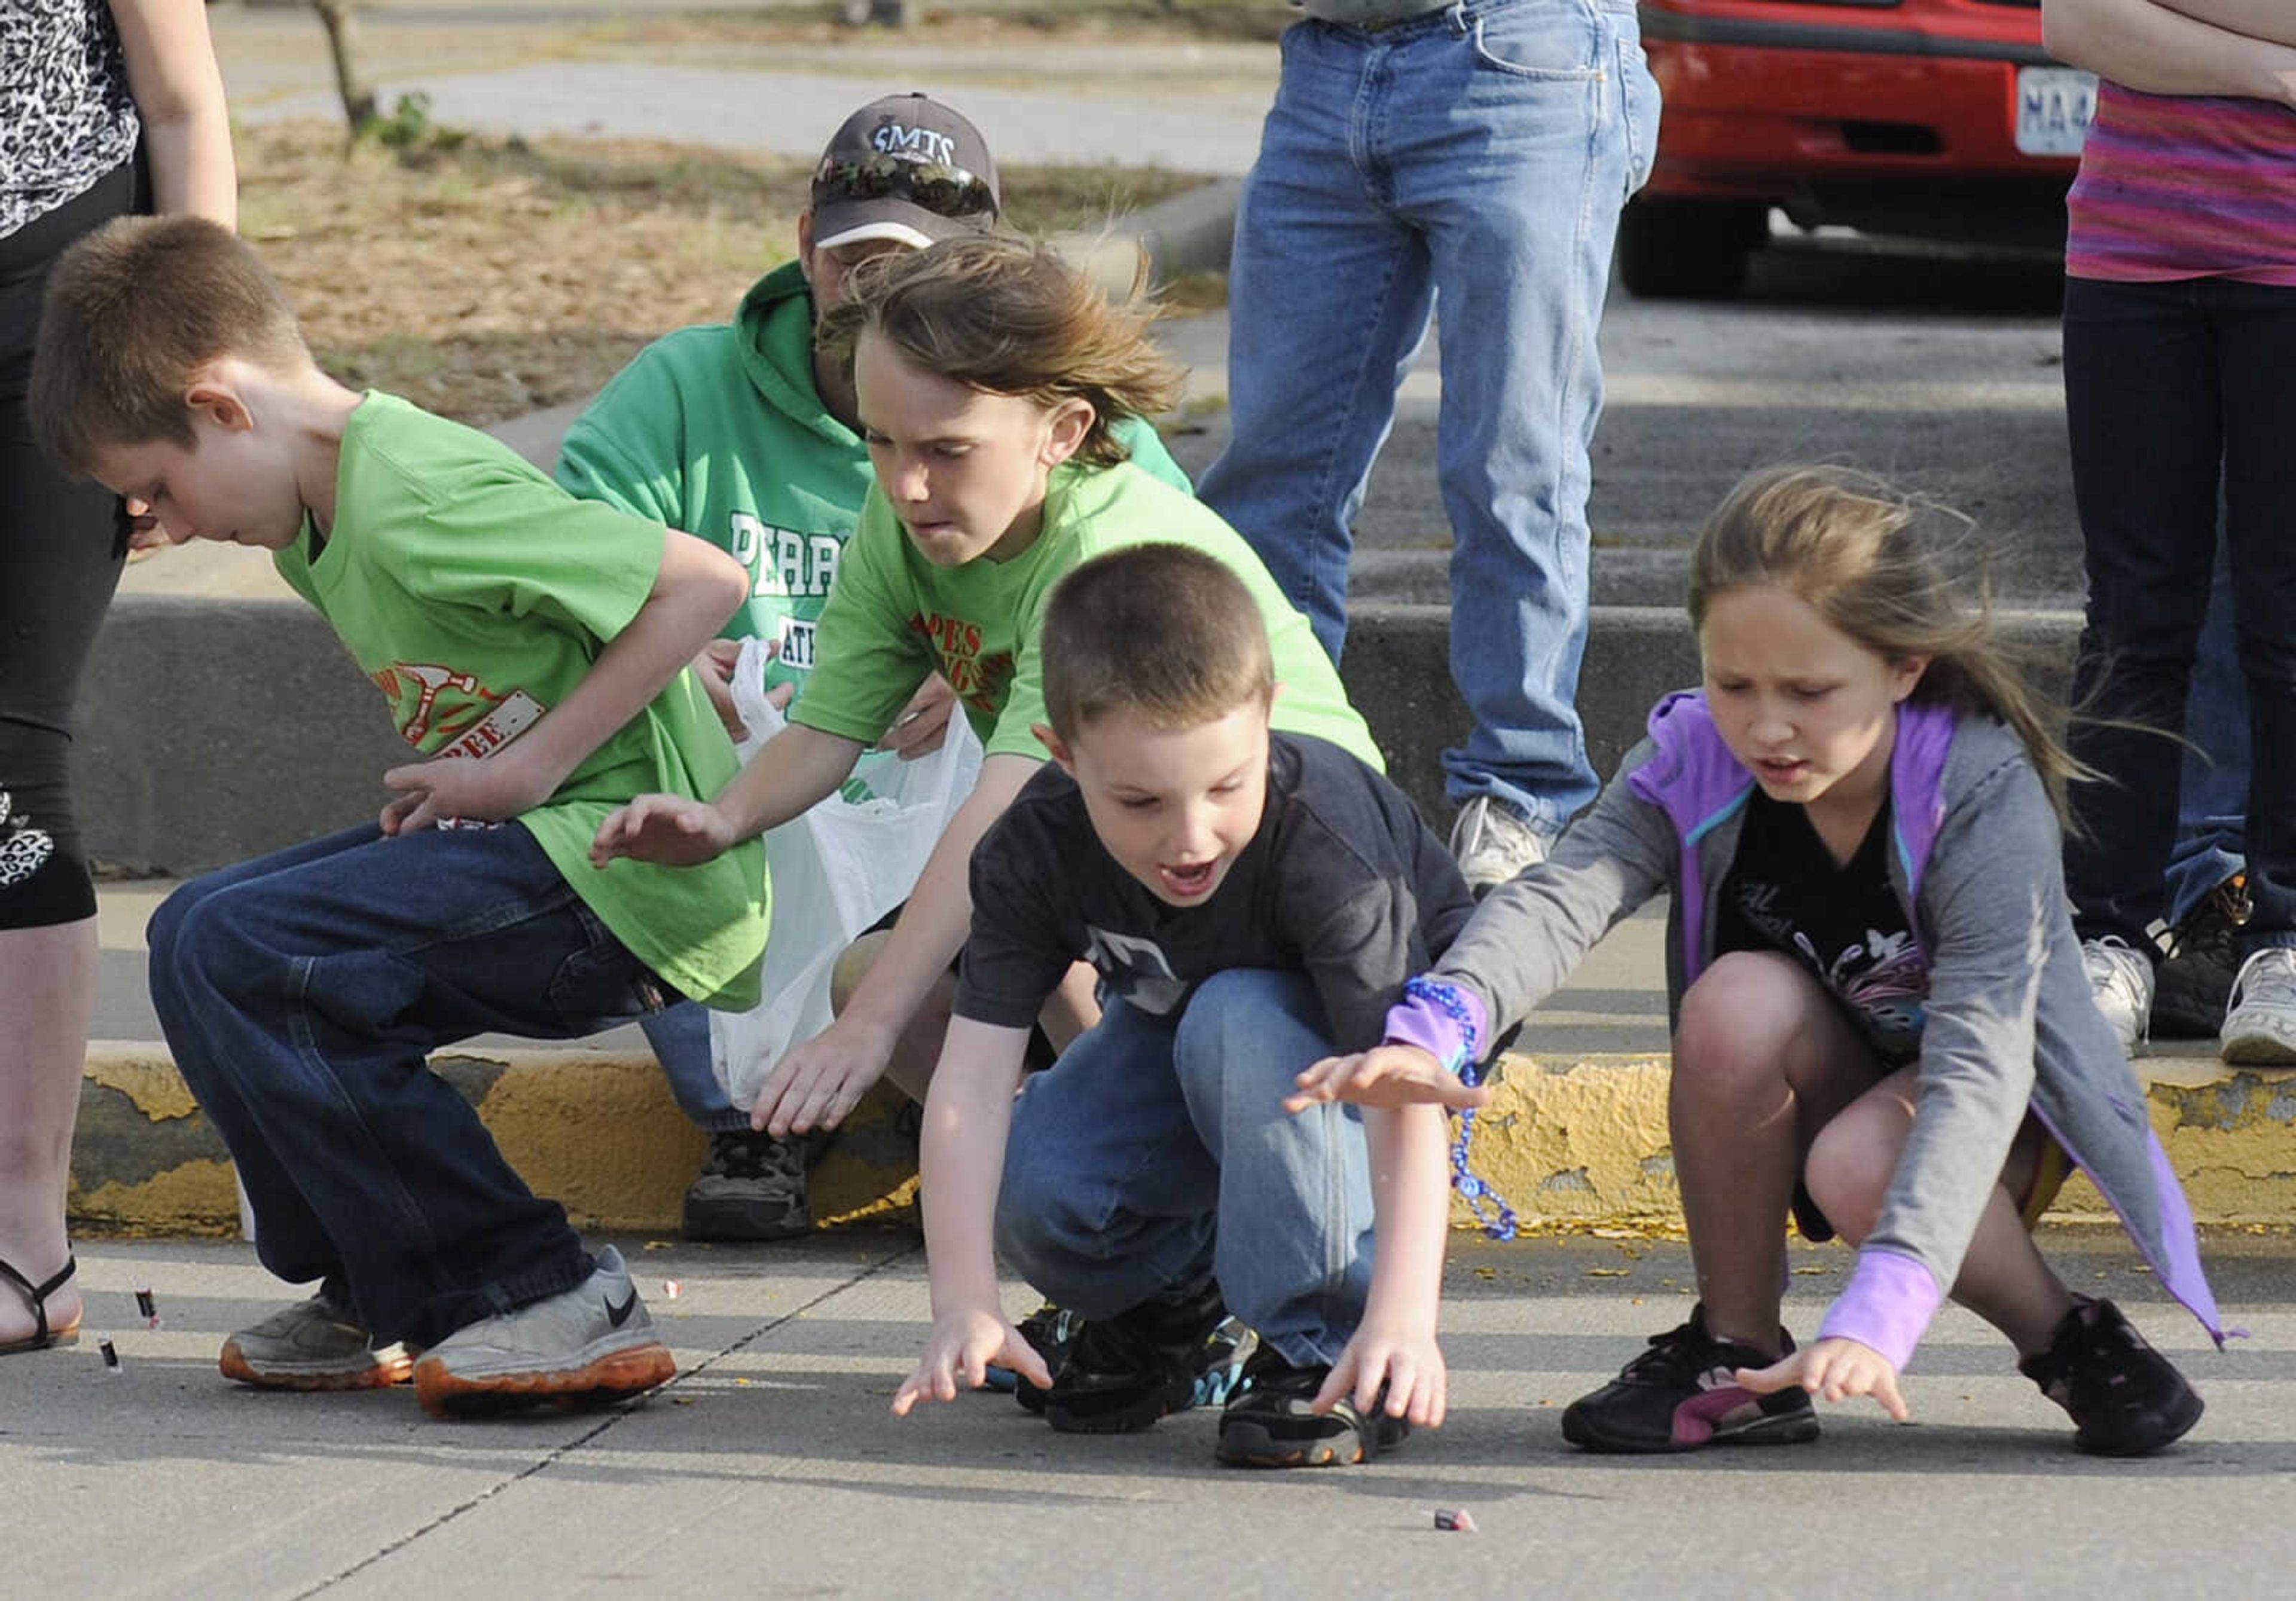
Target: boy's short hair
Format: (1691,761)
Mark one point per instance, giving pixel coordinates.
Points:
(1162,629)
(133,311)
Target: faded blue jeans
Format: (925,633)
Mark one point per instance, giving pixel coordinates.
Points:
(1475,159)
(301,993)
(680,1038)
(2212,792)
(1156,1153)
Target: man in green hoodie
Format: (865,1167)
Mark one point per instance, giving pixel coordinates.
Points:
(745,436)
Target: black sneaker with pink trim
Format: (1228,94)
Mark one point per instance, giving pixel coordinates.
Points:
(1682,1394)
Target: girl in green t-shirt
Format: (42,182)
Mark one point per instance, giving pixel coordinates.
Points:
(988,374)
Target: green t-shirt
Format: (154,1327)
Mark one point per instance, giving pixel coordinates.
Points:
(476,594)
(894,617)
(720,431)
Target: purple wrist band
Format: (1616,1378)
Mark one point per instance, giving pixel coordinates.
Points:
(1887,1305)
(1448,1032)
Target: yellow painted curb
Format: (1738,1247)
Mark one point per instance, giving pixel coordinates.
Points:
(1572,1144)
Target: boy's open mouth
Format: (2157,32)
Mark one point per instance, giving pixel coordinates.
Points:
(1190,880)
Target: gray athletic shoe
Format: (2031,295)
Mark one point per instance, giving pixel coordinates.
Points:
(2121,979)
(1491,845)
(591,1344)
(316,1344)
(2261,1028)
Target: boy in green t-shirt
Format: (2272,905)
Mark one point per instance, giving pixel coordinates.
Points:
(988,374)
(533,646)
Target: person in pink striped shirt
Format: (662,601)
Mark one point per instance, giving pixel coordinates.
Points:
(2180,338)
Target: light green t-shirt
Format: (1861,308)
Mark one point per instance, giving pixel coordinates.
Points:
(476,594)
(893,618)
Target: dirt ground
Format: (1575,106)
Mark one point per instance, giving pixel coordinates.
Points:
(485,278)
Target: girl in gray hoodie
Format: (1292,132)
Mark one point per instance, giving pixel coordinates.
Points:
(1881,1023)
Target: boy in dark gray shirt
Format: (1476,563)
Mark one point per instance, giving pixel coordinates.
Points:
(1251,900)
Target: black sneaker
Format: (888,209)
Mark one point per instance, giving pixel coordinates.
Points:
(752,1187)
(1161,1357)
(1054,1331)
(2125,1397)
(1269,1423)
(2193,982)
(1683,1393)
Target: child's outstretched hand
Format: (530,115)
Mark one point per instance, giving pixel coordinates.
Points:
(662,828)
(1835,1370)
(1405,1361)
(818,1081)
(963,1346)
(1388,1075)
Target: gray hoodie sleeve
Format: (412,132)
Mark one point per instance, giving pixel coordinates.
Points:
(1994,890)
(1528,934)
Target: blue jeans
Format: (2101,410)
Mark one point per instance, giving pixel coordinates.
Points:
(1156,1153)
(2212,793)
(1477,159)
(300,994)
(680,1038)
(2176,394)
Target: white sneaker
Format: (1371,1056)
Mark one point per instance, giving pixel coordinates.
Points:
(2121,980)
(593,1342)
(2260,1029)
(1492,845)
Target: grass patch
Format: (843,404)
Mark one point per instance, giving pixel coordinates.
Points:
(483,278)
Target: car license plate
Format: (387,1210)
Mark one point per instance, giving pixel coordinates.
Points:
(2054,107)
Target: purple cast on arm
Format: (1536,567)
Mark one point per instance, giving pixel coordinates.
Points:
(1448,1022)
(1887,1305)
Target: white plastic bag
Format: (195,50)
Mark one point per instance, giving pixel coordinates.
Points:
(836,870)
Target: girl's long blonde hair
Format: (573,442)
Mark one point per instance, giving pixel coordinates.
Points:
(1009,316)
(1877,564)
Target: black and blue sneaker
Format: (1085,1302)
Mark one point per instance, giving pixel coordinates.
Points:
(1271,1423)
(2125,1397)
(1163,1356)
(1683,1393)
(1053,1332)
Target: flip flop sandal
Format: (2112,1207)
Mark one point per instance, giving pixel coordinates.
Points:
(42,1336)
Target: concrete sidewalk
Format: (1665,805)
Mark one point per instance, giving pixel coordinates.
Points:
(770,1466)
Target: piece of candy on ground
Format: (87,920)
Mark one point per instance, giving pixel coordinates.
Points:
(1455,1520)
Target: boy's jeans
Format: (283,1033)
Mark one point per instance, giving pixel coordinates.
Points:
(1156,1153)
(1475,159)
(300,994)
(2174,392)
(680,1038)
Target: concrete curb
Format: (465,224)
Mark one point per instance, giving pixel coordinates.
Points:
(308,743)
(1570,1143)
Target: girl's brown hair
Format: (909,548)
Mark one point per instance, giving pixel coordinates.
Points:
(1877,565)
(1008,315)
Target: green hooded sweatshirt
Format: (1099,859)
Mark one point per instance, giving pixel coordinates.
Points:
(719,431)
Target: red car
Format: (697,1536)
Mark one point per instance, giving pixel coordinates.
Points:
(1936,118)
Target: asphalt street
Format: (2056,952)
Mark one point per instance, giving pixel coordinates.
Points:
(772,1467)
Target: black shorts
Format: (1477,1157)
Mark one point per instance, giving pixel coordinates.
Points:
(1040,1054)
(61,546)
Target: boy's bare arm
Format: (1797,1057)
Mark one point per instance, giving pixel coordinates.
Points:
(2157,49)
(1395,1348)
(817,1083)
(695,589)
(178,88)
(968,1115)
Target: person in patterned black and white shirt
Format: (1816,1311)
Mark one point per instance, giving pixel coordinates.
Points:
(105,108)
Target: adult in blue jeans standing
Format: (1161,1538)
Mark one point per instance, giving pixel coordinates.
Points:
(2208,891)
(1474,155)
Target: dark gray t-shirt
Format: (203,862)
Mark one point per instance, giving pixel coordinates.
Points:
(1342,882)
